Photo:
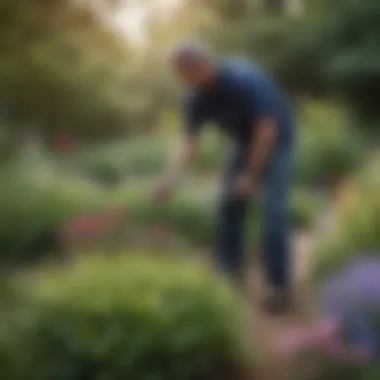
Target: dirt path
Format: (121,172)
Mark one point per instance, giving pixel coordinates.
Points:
(266,330)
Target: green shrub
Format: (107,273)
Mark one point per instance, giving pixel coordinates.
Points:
(329,52)
(304,209)
(129,318)
(290,49)
(327,148)
(191,214)
(210,157)
(356,228)
(358,233)
(31,210)
(142,157)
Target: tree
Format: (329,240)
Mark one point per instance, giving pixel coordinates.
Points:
(353,68)
(63,69)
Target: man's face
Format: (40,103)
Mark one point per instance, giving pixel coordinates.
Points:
(194,74)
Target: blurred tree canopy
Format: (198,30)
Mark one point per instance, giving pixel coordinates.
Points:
(331,50)
(62,68)
(353,68)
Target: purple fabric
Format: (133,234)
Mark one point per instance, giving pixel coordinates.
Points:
(352,296)
(356,284)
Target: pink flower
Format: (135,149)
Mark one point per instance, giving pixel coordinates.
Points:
(94,225)
(295,341)
(63,142)
(308,337)
(327,331)
(161,232)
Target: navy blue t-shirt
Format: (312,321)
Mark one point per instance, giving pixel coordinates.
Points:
(241,95)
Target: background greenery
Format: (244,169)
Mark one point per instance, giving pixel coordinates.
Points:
(140,318)
(88,118)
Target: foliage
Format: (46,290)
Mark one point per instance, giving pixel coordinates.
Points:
(328,51)
(141,318)
(357,234)
(29,225)
(357,221)
(304,209)
(289,49)
(327,148)
(63,68)
(353,31)
(142,157)
(191,214)
(32,209)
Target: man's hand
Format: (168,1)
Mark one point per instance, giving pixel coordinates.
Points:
(163,190)
(244,185)
(185,151)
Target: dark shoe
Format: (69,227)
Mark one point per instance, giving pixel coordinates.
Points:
(277,302)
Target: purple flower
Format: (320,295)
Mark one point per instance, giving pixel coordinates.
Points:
(352,297)
(356,287)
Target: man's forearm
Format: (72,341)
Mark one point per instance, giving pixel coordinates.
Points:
(181,159)
(262,145)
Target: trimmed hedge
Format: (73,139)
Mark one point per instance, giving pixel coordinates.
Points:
(129,318)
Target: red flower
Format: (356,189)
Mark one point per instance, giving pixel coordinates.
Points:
(63,142)
(161,232)
(94,225)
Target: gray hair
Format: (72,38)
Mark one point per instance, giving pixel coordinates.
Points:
(190,52)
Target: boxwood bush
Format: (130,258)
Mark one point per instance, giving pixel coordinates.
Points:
(129,318)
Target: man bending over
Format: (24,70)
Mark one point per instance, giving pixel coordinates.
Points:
(250,109)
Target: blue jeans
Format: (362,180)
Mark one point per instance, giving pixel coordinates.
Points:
(273,198)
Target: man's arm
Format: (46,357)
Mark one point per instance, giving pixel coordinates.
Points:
(264,127)
(263,141)
(194,118)
(184,153)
